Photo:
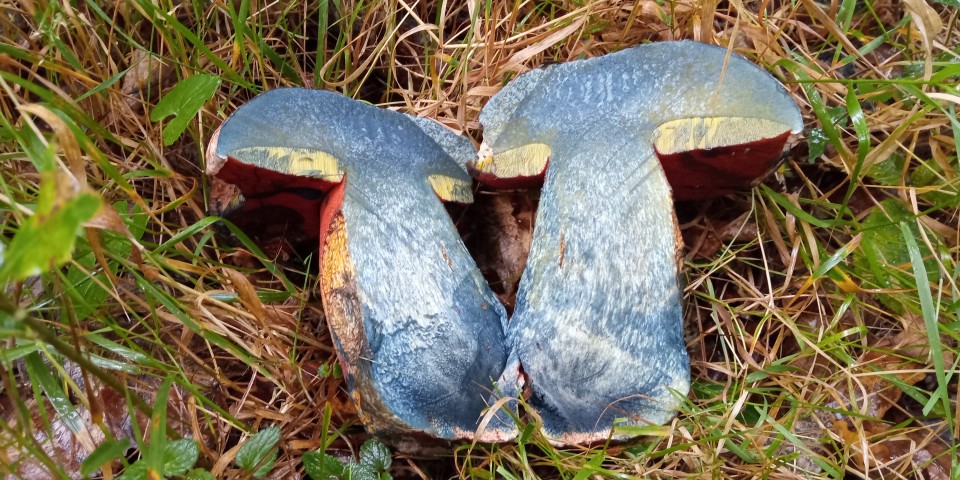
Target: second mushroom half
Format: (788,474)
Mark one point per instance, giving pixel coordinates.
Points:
(417,329)
(596,337)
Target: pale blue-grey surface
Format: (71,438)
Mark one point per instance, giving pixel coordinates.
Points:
(597,328)
(598,320)
(434,330)
(458,147)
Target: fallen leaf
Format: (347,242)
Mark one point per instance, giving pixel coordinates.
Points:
(704,238)
(147,75)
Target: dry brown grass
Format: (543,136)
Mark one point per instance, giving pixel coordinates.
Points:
(807,359)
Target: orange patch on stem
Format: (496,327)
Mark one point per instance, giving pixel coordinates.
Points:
(338,290)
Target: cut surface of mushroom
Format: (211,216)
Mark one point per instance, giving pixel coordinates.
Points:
(705,157)
(417,329)
(517,168)
(596,334)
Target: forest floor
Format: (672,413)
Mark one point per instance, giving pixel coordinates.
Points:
(822,308)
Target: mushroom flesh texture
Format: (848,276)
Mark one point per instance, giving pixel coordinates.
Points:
(418,331)
(596,334)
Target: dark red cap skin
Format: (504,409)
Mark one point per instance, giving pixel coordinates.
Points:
(278,214)
(709,173)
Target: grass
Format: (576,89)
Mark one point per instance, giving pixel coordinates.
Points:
(822,308)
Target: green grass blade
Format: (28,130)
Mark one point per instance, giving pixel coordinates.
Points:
(930,321)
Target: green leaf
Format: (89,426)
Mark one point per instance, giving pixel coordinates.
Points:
(883,255)
(259,453)
(87,291)
(45,241)
(859,121)
(184,101)
(103,86)
(771,370)
(328,371)
(320,466)
(10,326)
(199,474)
(179,456)
(888,171)
(105,452)
(705,389)
(952,3)
(929,174)
(137,471)
(133,216)
(817,141)
(41,375)
(591,466)
(930,319)
(357,471)
(837,115)
(86,283)
(795,210)
(374,453)
(503,472)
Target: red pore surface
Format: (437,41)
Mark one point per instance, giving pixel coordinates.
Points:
(279,215)
(708,173)
(268,192)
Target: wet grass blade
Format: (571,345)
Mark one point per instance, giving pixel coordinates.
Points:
(931,322)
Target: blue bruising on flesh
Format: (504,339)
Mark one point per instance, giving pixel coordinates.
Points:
(434,330)
(598,323)
(457,147)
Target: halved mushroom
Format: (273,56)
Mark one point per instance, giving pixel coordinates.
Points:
(419,333)
(596,334)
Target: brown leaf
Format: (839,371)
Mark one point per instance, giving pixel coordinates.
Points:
(247,293)
(68,142)
(705,238)
(872,396)
(146,78)
(222,195)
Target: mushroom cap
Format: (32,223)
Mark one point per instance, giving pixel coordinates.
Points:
(323,136)
(418,331)
(458,147)
(597,328)
(721,122)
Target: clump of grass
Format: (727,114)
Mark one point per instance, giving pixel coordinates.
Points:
(822,307)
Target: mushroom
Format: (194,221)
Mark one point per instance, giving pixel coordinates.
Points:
(418,331)
(596,334)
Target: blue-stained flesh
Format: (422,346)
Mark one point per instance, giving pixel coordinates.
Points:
(596,334)
(432,330)
(597,327)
